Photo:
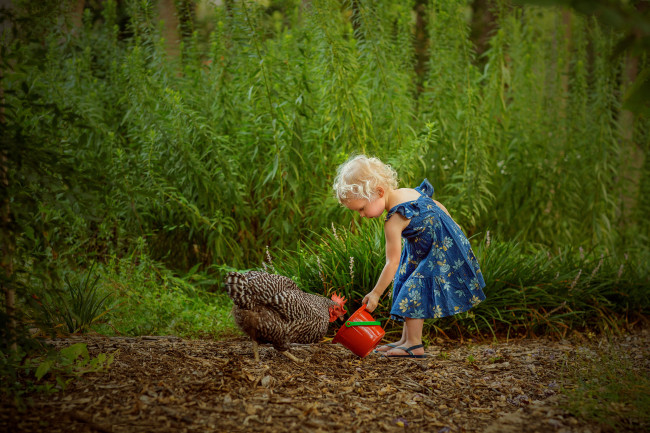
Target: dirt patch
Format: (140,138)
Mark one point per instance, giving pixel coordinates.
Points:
(169,384)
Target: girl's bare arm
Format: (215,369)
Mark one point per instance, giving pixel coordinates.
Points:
(393,232)
(442,207)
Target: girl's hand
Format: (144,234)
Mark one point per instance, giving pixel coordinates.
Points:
(371,300)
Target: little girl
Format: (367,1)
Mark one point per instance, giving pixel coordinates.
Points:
(436,274)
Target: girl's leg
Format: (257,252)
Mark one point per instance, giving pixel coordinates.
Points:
(412,336)
(400,342)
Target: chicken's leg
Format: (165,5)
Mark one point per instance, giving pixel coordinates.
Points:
(255,351)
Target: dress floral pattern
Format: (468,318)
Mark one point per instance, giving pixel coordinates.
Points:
(438,274)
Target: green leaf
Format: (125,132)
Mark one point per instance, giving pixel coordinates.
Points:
(43,368)
(73,352)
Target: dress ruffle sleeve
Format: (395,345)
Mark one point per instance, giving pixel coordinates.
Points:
(411,209)
(425,188)
(408,210)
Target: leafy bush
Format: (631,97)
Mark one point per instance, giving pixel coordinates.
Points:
(73,360)
(48,370)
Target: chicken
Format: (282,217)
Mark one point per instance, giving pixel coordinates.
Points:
(273,309)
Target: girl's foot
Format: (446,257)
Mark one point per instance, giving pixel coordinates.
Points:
(388,346)
(415,351)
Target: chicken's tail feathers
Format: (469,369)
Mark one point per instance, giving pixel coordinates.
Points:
(236,284)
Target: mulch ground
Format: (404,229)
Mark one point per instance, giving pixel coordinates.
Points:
(167,384)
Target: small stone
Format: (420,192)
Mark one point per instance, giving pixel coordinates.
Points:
(266,381)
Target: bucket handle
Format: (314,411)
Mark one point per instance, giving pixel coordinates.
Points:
(349,324)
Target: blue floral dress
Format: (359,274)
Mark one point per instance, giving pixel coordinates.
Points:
(438,274)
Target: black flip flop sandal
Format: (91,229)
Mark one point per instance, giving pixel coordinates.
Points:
(408,350)
(391,345)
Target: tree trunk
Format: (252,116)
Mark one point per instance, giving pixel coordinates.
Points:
(632,155)
(7,238)
(483,25)
(77,14)
(167,13)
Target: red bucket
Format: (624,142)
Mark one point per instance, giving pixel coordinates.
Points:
(360,333)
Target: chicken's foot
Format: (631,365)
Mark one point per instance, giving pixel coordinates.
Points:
(292,357)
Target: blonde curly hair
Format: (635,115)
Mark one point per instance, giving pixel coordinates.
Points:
(360,176)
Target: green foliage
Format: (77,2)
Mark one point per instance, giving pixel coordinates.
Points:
(460,163)
(533,289)
(212,162)
(133,295)
(49,372)
(68,304)
(231,146)
(631,20)
(529,290)
(72,361)
(84,305)
(152,301)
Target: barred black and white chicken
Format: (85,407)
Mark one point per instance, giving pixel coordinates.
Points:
(273,309)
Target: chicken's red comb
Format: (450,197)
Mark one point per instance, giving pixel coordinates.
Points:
(339,299)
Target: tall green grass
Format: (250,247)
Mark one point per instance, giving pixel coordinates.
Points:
(212,155)
(232,145)
(530,289)
(150,300)
(130,296)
